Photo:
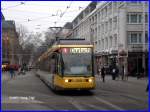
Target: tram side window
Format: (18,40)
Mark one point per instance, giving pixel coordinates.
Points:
(53,64)
(60,65)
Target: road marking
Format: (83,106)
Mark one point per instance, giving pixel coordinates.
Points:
(126,95)
(21,101)
(96,107)
(133,98)
(108,103)
(75,104)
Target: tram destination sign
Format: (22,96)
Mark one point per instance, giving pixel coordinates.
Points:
(76,50)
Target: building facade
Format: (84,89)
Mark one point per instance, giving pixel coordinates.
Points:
(119,32)
(82,23)
(66,31)
(10,43)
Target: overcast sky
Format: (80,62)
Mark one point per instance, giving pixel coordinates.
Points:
(37,16)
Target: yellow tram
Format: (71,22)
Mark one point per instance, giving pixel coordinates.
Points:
(69,64)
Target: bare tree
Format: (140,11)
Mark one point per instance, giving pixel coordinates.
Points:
(22,33)
(29,42)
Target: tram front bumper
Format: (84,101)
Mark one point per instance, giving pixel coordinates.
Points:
(79,84)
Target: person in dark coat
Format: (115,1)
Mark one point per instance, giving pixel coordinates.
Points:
(114,72)
(122,72)
(103,74)
(12,72)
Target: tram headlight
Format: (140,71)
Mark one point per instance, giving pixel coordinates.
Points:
(66,80)
(90,80)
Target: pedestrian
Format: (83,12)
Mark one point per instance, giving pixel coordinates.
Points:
(122,72)
(12,72)
(114,72)
(21,70)
(117,72)
(103,73)
(147,88)
(99,70)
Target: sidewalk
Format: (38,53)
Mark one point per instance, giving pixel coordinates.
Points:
(108,78)
(131,80)
(5,76)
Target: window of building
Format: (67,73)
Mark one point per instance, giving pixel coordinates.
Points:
(100,46)
(146,18)
(140,37)
(110,24)
(106,43)
(115,22)
(93,19)
(134,18)
(96,18)
(96,33)
(102,29)
(103,44)
(110,42)
(99,30)
(102,14)
(135,37)
(106,26)
(128,18)
(106,11)
(99,16)
(115,37)
(139,18)
(146,37)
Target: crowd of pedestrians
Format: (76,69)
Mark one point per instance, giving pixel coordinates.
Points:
(117,73)
(21,70)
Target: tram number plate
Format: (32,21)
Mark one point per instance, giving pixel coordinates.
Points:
(78,80)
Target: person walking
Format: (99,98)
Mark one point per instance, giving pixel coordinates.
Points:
(12,72)
(99,70)
(122,72)
(114,72)
(103,73)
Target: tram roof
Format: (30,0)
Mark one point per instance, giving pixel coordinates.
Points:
(73,41)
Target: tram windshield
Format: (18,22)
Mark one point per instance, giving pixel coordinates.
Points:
(77,61)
